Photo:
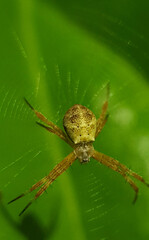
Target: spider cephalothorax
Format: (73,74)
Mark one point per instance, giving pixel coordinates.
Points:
(81,128)
(84,151)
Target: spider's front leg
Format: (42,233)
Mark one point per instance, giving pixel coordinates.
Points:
(120,168)
(51,126)
(48,180)
(101,121)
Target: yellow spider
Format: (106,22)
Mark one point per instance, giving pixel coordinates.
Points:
(81,129)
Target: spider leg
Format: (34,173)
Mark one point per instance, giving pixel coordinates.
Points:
(50,178)
(133,185)
(35,186)
(101,121)
(138,177)
(120,168)
(65,138)
(52,127)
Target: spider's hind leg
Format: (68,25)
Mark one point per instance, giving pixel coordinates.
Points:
(101,121)
(51,126)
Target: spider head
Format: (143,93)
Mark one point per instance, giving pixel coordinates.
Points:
(84,160)
(84,151)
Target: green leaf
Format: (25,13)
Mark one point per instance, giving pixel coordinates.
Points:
(56,54)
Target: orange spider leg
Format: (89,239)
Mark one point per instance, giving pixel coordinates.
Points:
(120,168)
(133,185)
(101,121)
(57,171)
(138,177)
(53,128)
(36,185)
(66,139)
(126,170)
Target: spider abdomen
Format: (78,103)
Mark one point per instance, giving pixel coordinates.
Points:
(80,124)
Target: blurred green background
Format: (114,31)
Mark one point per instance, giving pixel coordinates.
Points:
(56,54)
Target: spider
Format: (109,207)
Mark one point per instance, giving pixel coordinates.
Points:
(81,130)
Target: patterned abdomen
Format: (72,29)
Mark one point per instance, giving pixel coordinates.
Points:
(80,124)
